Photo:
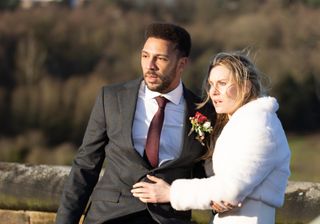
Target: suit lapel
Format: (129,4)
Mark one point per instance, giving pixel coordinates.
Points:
(127,99)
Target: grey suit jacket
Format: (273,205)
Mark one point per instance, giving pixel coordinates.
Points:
(108,138)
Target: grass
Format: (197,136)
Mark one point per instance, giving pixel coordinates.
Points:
(201,217)
(305,157)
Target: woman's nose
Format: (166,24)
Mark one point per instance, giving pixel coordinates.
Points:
(214,90)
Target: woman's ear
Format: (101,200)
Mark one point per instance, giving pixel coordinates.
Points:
(248,86)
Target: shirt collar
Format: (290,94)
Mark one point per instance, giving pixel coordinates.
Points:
(174,96)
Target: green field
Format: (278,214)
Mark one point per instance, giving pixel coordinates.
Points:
(305,157)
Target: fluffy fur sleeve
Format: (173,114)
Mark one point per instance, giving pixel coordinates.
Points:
(245,154)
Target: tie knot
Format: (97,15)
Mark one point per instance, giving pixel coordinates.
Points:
(162,101)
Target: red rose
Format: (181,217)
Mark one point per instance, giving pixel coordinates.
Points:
(200,117)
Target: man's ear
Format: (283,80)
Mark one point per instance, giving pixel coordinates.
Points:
(183,62)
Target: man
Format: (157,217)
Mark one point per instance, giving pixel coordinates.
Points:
(117,133)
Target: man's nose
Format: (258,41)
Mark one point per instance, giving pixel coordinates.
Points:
(152,64)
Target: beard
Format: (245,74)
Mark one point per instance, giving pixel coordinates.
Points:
(164,81)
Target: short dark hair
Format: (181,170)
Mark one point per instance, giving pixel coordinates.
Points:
(173,33)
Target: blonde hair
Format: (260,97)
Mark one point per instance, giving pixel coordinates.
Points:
(248,79)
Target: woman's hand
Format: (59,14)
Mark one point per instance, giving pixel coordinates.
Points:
(157,192)
(222,206)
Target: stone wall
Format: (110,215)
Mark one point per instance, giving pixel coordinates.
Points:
(302,203)
(30,194)
(26,217)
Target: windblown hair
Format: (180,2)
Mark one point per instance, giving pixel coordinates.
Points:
(172,33)
(242,70)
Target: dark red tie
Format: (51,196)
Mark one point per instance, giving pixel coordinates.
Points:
(153,137)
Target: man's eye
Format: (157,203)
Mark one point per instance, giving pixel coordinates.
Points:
(144,56)
(162,59)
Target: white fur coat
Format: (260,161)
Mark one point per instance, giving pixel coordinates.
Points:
(251,159)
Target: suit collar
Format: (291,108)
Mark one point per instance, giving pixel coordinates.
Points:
(173,96)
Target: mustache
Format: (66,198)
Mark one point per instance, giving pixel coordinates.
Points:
(152,73)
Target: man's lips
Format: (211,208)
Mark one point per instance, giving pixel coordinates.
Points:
(151,77)
(152,74)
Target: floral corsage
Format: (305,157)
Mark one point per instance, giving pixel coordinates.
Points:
(200,125)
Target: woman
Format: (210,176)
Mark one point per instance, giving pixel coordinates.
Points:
(250,157)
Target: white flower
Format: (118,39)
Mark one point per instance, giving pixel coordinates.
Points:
(207,125)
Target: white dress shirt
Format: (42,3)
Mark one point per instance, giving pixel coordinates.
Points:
(173,124)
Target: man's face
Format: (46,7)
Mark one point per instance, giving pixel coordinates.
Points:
(161,66)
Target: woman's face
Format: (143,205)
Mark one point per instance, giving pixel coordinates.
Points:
(223,90)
